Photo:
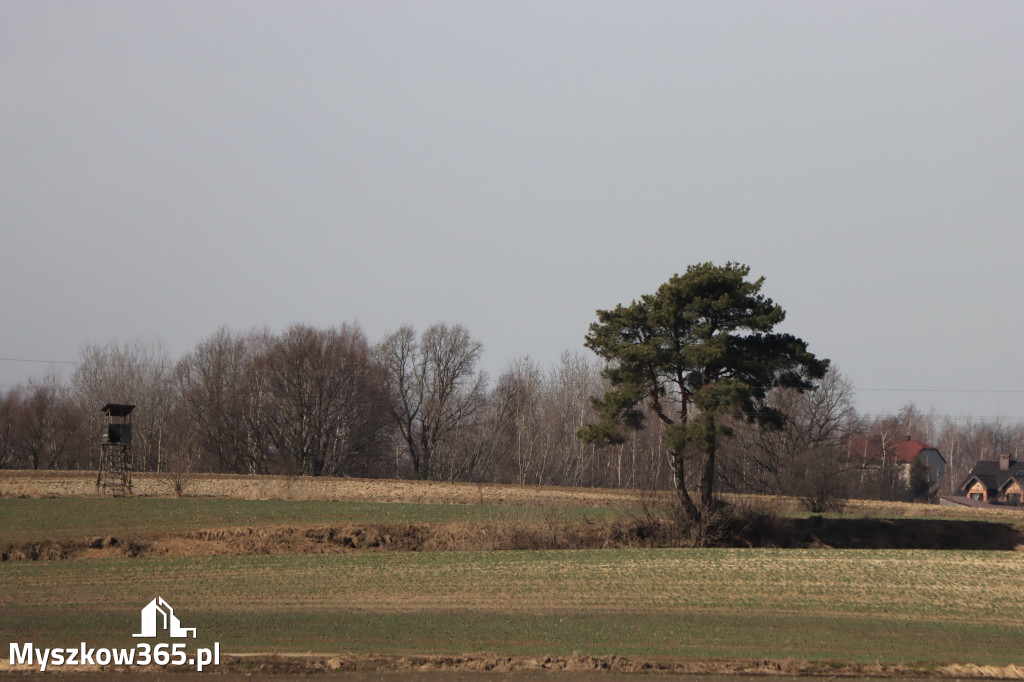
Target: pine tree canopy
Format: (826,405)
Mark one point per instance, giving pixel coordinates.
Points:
(700,348)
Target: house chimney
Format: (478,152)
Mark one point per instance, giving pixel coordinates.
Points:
(1004,461)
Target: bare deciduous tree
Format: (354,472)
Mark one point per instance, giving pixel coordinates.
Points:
(10,417)
(537,413)
(222,402)
(49,432)
(518,402)
(572,381)
(436,394)
(179,463)
(135,373)
(806,458)
(323,386)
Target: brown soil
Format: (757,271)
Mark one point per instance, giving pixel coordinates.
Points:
(602,664)
(423,537)
(305,666)
(624,532)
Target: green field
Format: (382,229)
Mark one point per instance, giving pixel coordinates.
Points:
(76,518)
(853,606)
(919,607)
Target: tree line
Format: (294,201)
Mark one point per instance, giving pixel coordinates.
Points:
(328,402)
(692,389)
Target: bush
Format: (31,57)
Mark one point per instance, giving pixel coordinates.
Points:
(662,522)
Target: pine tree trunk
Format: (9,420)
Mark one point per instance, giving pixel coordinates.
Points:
(679,474)
(706,486)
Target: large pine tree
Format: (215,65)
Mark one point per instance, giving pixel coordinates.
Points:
(698,350)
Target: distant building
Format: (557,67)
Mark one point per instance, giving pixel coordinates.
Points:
(995,481)
(875,452)
(908,450)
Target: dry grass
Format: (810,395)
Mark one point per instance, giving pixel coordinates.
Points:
(23,483)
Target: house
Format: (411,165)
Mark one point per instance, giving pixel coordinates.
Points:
(996,481)
(908,450)
(874,453)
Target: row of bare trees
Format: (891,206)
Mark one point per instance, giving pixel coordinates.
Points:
(328,402)
(40,428)
(307,401)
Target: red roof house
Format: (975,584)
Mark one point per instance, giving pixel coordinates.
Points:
(874,451)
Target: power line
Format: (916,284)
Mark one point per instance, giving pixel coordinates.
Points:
(942,390)
(949,417)
(39,361)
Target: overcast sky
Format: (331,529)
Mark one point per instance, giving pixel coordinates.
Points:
(167,168)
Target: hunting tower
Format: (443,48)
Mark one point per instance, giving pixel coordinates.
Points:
(115,473)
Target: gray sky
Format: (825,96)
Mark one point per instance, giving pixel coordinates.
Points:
(170,167)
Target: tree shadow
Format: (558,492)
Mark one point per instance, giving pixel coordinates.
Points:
(866,533)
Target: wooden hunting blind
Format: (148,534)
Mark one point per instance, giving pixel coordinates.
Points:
(115,474)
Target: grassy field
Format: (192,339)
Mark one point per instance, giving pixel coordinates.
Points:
(72,527)
(919,607)
(72,518)
(855,606)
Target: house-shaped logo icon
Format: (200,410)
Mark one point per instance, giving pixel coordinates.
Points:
(158,615)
